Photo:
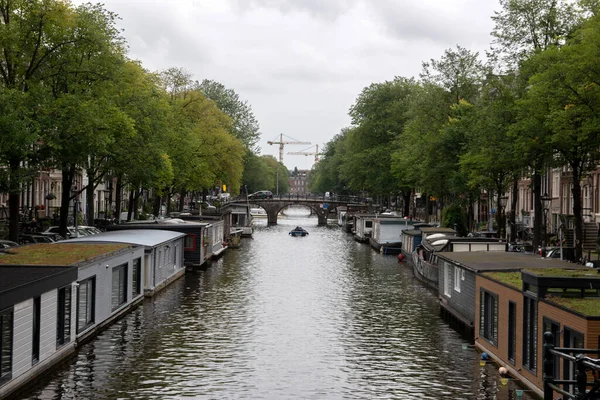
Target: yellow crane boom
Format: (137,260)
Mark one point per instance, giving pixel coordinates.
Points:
(307,153)
(281,143)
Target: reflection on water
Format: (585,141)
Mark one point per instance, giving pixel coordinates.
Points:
(315,317)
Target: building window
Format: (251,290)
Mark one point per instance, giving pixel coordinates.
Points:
(119,286)
(529,333)
(136,278)
(457,278)
(6,344)
(512,331)
(86,304)
(447,279)
(488,316)
(35,340)
(189,242)
(63,323)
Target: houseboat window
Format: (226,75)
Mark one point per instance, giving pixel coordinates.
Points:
(136,275)
(488,316)
(447,279)
(86,304)
(63,323)
(574,340)
(530,329)
(457,278)
(119,286)
(35,340)
(368,224)
(462,274)
(512,331)
(189,243)
(6,345)
(554,328)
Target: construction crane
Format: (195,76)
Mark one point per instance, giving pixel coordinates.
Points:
(281,143)
(308,153)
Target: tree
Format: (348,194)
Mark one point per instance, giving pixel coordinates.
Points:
(566,93)
(490,161)
(80,117)
(32,35)
(378,117)
(525,27)
(244,125)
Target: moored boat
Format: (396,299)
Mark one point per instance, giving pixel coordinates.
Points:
(298,231)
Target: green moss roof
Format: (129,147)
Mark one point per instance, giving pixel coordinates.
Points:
(61,254)
(588,273)
(588,306)
(509,278)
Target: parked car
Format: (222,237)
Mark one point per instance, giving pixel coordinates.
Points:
(261,194)
(568,253)
(27,238)
(207,206)
(7,244)
(71,232)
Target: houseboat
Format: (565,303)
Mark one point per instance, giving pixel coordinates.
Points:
(258,212)
(424,259)
(239,218)
(55,296)
(199,244)
(411,238)
(386,233)
(163,253)
(512,300)
(363,227)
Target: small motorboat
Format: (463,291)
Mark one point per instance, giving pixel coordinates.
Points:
(298,231)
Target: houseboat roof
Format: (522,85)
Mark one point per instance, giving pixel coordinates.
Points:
(162,221)
(142,237)
(432,230)
(412,232)
(481,261)
(64,253)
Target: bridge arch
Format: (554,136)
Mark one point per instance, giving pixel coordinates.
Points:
(320,206)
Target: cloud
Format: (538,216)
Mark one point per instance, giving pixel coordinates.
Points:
(300,64)
(325,9)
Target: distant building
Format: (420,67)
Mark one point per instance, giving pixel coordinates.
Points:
(298,182)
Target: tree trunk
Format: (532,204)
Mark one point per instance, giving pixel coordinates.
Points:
(513,210)
(537,210)
(499,210)
(182,194)
(130,206)
(427,208)
(406,197)
(577,209)
(136,201)
(118,199)
(14,202)
(68,173)
(91,206)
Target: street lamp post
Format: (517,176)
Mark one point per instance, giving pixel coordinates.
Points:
(546,201)
(503,203)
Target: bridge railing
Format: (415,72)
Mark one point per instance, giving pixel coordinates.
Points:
(310,197)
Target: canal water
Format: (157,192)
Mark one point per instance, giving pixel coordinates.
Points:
(315,317)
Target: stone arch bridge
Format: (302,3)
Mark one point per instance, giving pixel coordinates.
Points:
(320,205)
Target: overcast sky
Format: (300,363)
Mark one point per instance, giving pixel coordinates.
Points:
(300,64)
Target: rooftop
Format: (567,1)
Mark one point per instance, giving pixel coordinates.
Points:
(481,261)
(142,237)
(56,254)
